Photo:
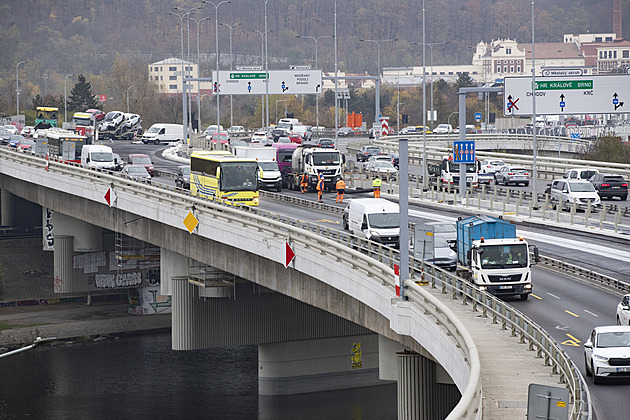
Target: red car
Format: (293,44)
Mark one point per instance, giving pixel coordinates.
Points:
(295,138)
(98,114)
(144,160)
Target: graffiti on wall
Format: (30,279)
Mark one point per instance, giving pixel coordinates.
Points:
(110,281)
(148,301)
(49,237)
(357,361)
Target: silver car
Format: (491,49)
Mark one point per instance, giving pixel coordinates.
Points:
(565,192)
(512,175)
(443,254)
(445,230)
(136,173)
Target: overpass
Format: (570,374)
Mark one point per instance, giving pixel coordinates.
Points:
(417,338)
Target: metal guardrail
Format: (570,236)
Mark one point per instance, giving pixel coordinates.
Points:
(376,261)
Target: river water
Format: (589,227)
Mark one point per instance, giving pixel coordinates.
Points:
(140,377)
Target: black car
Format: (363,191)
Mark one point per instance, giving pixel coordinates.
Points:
(182,177)
(327,143)
(610,185)
(276,133)
(366,151)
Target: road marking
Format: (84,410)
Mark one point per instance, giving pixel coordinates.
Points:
(591,313)
(335,222)
(571,313)
(552,295)
(574,342)
(537,297)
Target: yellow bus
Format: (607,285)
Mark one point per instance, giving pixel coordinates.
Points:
(46,116)
(224,177)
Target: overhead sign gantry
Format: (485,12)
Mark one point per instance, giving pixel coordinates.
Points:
(281,82)
(609,94)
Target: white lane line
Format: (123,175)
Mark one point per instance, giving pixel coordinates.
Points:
(591,313)
(564,242)
(552,295)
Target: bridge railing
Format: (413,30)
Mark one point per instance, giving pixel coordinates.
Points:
(359,254)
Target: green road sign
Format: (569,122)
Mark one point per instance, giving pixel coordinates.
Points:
(564,84)
(241,75)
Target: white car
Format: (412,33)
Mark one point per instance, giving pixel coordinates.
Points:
(580,173)
(259,137)
(237,130)
(28,131)
(443,129)
(490,166)
(373,158)
(607,353)
(566,191)
(382,167)
(623,311)
(11,128)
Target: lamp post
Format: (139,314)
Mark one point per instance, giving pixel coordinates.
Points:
(46,86)
(336,66)
(285,106)
(266,76)
(424,105)
(17,87)
(448,120)
(231,61)
(316,39)
(262,63)
(216,36)
(431,45)
(378,49)
(535,144)
(128,97)
(65,98)
(198,22)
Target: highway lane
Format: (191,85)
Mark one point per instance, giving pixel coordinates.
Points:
(568,310)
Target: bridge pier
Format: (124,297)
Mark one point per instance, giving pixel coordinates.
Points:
(6,208)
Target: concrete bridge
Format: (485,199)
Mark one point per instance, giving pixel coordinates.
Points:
(329,321)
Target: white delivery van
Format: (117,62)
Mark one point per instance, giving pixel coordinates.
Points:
(97,157)
(376,219)
(163,133)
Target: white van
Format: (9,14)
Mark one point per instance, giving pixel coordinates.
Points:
(163,133)
(97,157)
(376,219)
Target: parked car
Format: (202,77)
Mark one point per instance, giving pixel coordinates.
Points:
(366,151)
(623,311)
(580,173)
(607,353)
(490,166)
(345,132)
(512,175)
(565,191)
(136,173)
(144,160)
(182,177)
(326,143)
(610,185)
(27,131)
(443,129)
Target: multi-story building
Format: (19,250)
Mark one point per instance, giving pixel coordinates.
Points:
(168,73)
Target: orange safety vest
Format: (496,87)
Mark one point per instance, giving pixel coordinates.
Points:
(304,178)
(320,185)
(340,185)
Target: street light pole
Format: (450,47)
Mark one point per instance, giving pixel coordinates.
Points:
(285,106)
(65,98)
(216,36)
(424,105)
(336,67)
(378,50)
(535,151)
(262,63)
(17,87)
(231,61)
(198,22)
(432,45)
(316,39)
(128,97)
(266,75)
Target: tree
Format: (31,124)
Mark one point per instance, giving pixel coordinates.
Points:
(81,96)
(464,80)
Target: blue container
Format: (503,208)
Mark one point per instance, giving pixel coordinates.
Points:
(476,227)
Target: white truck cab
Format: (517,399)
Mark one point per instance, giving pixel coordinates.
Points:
(376,219)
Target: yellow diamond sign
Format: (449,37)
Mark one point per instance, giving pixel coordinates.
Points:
(191,222)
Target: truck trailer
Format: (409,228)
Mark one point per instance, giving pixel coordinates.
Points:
(493,258)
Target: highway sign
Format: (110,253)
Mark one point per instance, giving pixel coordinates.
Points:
(559,72)
(477,116)
(567,95)
(249,68)
(464,151)
(281,82)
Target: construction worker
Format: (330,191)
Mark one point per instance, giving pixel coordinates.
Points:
(304,183)
(376,186)
(341,189)
(320,187)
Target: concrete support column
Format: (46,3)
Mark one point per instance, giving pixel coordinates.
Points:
(187,316)
(6,208)
(416,387)
(65,280)
(172,265)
